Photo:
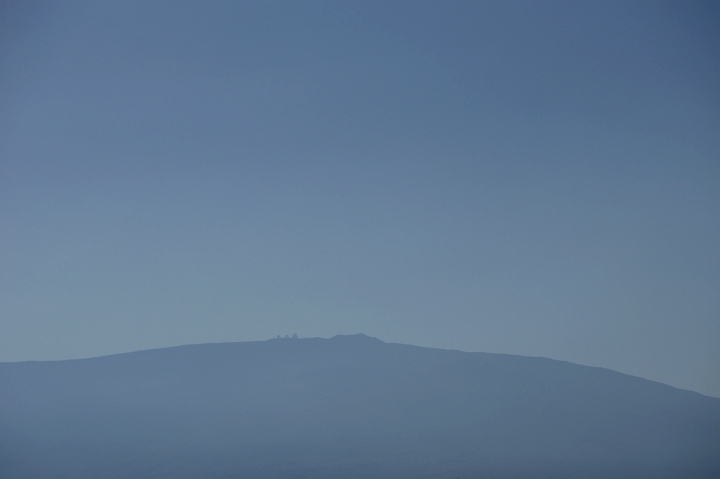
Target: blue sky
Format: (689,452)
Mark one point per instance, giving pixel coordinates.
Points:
(536,178)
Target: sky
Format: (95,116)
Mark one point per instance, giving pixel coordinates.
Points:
(534,178)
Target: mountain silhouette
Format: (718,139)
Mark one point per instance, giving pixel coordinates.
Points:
(346,407)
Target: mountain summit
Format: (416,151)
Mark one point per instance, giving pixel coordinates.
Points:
(345,407)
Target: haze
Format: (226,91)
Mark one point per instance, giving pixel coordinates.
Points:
(532,178)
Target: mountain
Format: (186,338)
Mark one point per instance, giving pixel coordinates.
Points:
(346,407)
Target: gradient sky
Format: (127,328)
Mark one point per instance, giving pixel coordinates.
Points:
(534,178)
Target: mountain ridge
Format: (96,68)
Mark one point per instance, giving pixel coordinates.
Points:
(355,336)
(348,406)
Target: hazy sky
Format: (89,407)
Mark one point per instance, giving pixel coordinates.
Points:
(533,178)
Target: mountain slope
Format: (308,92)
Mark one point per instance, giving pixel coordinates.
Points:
(350,406)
